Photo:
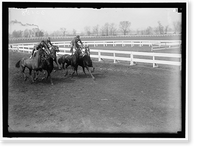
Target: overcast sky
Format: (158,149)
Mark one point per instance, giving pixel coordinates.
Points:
(52,19)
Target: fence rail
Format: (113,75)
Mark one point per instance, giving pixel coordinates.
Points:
(131,57)
(95,36)
(118,42)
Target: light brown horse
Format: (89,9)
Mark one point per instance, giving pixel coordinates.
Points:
(30,63)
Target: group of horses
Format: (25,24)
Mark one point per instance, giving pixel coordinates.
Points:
(41,62)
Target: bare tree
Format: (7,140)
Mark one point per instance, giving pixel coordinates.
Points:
(112,29)
(26,33)
(46,34)
(149,30)
(166,29)
(177,26)
(106,29)
(156,30)
(17,34)
(87,30)
(74,32)
(63,30)
(125,27)
(160,28)
(96,30)
(102,31)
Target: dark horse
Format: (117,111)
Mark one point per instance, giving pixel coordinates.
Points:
(64,59)
(81,59)
(40,61)
(53,51)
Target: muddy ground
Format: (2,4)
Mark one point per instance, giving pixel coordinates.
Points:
(121,99)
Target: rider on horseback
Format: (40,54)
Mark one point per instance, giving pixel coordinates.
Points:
(74,43)
(44,43)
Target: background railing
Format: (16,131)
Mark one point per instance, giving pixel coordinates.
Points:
(115,55)
(155,43)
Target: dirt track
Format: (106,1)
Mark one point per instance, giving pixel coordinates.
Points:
(121,99)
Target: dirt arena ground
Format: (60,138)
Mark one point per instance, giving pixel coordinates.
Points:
(121,99)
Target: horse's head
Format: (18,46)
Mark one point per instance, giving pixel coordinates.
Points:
(53,55)
(54,49)
(41,52)
(87,50)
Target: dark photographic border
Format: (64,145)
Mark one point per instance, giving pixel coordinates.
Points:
(182,6)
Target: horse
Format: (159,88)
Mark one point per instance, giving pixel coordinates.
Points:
(86,58)
(64,59)
(82,59)
(30,63)
(86,62)
(47,64)
(53,49)
(40,61)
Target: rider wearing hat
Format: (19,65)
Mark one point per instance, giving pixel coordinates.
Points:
(43,44)
(48,42)
(74,43)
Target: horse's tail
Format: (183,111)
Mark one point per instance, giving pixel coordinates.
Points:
(17,65)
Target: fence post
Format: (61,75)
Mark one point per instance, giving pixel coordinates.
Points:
(154,64)
(132,43)
(131,56)
(99,54)
(151,48)
(114,58)
(132,59)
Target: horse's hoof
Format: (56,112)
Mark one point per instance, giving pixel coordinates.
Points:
(93,70)
(35,79)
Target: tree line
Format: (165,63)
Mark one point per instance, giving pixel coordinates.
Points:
(108,29)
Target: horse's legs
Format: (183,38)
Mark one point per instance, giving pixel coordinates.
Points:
(44,73)
(83,69)
(93,68)
(66,69)
(36,77)
(55,60)
(90,72)
(32,77)
(49,75)
(75,70)
(25,77)
(63,65)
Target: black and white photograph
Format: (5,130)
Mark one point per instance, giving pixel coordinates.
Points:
(94,70)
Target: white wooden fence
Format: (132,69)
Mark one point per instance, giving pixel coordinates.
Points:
(131,57)
(154,43)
